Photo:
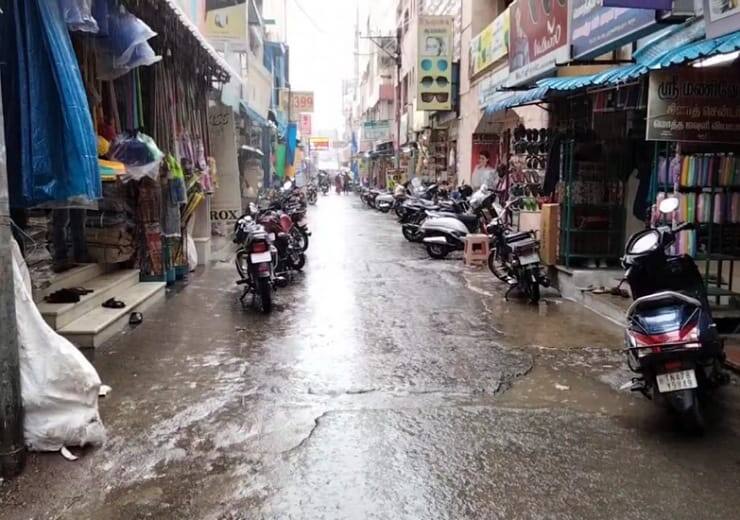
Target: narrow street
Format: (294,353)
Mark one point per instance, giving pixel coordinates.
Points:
(385,385)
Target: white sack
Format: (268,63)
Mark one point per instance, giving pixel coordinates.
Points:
(192,254)
(59,386)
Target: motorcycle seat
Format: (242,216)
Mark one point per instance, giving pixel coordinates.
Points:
(516,236)
(470,221)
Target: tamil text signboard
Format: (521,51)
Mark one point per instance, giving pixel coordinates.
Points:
(434,89)
(597,29)
(538,38)
(490,45)
(320,143)
(225,20)
(694,105)
(305,125)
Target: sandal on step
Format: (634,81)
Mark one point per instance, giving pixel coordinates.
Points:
(113,304)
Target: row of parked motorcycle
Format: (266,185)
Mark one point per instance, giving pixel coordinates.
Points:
(441,220)
(272,239)
(672,343)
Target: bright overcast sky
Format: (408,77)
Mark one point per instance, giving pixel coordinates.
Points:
(321,40)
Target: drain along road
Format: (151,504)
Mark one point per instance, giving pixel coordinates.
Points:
(384,385)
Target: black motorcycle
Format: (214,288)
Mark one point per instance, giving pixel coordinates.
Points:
(514,256)
(671,339)
(312,194)
(254,263)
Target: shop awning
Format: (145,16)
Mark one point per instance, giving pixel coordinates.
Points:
(253,114)
(504,100)
(663,52)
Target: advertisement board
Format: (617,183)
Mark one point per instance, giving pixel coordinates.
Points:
(377,130)
(538,38)
(721,16)
(319,143)
(690,104)
(305,125)
(225,20)
(640,4)
(596,29)
(490,45)
(301,102)
(434,88)
(226,205)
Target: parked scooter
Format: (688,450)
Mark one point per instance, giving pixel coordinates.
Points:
(312,194)
(672,341)
(254,263)
(515,255)
(443,234)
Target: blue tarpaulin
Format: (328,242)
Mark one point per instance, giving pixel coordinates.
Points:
(56,144)
(292,142)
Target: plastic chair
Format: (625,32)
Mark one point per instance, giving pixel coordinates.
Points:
(476,249)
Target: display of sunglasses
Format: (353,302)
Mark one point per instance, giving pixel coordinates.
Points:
(426,64)
(428,97)
(442,65)
(428,81)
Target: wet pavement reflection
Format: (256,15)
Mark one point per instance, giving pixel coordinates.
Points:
(384,385)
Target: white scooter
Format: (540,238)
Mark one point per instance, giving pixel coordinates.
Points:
(444,234)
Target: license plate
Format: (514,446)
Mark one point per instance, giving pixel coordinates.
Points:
(258,258)
(673,381)
(529,258)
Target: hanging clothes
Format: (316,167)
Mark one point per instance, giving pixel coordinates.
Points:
(57,143)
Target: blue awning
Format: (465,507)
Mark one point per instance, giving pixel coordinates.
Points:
(253,114)
(673,46)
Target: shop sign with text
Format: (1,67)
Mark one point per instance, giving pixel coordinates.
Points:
(597,29)
(225,20)
(434,90)
(319,143)
(694,105)
(305,125)
(490,45)
(299,102)
(640,4)
(538,38)
(721,16)
(227,201)
(376,130)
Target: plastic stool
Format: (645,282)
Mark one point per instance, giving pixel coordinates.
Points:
(476,249)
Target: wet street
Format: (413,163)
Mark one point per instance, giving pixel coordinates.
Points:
(384,385)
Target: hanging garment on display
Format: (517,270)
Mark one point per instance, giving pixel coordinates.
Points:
(57,148)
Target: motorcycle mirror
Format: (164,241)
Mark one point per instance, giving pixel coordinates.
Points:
(668,205)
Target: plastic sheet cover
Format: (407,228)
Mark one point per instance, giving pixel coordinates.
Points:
(57,142)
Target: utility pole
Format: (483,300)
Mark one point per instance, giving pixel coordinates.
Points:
(12,451)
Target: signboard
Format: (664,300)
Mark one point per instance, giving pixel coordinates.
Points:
(434,90)
(538,38)
(225,20)
(302,102)
(596,29)
(305,125)
(376,130)
(640,4)
(489,85)
(490,45)
(694,105)
(721,17)
(319,143)
(226,205)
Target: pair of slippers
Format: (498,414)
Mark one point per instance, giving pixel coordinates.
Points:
(112,303)
(67,295)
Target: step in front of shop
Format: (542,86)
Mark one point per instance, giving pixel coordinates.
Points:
(104,286)
(97,326)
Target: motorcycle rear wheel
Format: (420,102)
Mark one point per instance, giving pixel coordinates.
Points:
(409,234)
(384,209)
(264,295)
(300,237)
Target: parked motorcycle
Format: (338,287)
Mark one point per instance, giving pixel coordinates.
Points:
(312,194)
(445,233)
(254,263)
(515,255)
(671,339)
(279,225)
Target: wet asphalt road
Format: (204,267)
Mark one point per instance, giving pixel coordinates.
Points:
(384,385)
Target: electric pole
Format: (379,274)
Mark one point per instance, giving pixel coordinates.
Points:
(12,451)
